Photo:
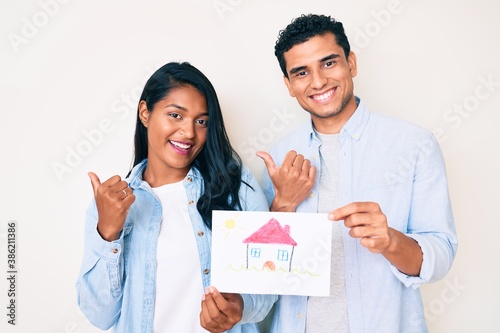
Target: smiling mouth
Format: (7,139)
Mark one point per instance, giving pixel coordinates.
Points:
(323,97)
(181,145)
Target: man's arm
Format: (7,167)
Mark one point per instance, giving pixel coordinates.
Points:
(367,222)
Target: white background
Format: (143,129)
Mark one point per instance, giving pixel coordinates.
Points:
(70,68)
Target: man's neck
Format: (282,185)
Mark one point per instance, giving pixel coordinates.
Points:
(333,124)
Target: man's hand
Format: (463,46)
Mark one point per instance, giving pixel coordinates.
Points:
(220,311)
(113,199)
(367,222)
(292,181)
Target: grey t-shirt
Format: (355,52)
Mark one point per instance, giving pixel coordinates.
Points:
(329,314)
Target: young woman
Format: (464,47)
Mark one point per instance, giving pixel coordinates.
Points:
(146,265)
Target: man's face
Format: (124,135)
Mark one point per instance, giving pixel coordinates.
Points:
(320,77)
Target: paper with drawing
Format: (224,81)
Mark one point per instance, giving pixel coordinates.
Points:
(271,253)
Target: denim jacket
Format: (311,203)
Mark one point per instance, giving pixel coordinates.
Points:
(400,166)
(116,284)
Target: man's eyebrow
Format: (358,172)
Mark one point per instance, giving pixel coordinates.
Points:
(301,68)
(330,57)
(297,69)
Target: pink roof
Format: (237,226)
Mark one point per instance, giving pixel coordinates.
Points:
(271,233)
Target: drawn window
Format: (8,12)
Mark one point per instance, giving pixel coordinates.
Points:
(283,255)
(255,252)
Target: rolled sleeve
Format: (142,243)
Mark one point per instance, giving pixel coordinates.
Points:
(111,254)
(99,284)
(431,220)
(256,307)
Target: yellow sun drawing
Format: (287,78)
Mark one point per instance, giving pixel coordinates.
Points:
(230,227)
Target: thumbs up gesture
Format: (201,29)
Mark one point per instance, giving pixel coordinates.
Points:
(292,181)
(113,199)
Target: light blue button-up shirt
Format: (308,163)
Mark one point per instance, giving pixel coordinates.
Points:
(400,166)
(116,284)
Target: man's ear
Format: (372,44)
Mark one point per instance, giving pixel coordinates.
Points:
(352,63)
(289,86)
(144,113)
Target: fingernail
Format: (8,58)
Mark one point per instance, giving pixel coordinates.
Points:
(331,216)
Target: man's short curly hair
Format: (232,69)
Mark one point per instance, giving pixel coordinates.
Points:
(302,28)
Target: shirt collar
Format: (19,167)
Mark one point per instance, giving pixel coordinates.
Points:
(354,127)
(135,177)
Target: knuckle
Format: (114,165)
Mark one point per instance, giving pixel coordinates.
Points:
(121,207)
(101,190)
(215,318)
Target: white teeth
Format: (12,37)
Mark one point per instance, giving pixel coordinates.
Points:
(323,97)
(180,145)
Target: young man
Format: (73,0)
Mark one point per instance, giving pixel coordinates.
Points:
(382,179)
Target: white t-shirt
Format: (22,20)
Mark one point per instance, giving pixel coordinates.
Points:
(179,287)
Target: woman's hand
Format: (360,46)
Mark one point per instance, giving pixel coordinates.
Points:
(113,199)
(220,311)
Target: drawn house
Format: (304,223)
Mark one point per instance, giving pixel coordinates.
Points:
(270,246)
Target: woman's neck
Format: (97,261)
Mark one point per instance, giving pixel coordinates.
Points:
(157,176)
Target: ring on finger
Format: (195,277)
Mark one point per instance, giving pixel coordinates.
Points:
(125,192)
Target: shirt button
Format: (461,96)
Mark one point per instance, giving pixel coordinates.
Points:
(311,195)
(190,179)
(206,271)
(200,233)
(191,202)
(299,315)
(115,251)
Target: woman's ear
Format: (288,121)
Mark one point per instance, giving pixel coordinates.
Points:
(144,113)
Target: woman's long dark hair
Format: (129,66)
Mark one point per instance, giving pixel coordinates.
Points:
(217,162)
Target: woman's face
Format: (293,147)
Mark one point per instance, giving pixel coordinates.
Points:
(177,132)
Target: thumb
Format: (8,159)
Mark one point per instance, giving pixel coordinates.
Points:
(268,160)
(94,180)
